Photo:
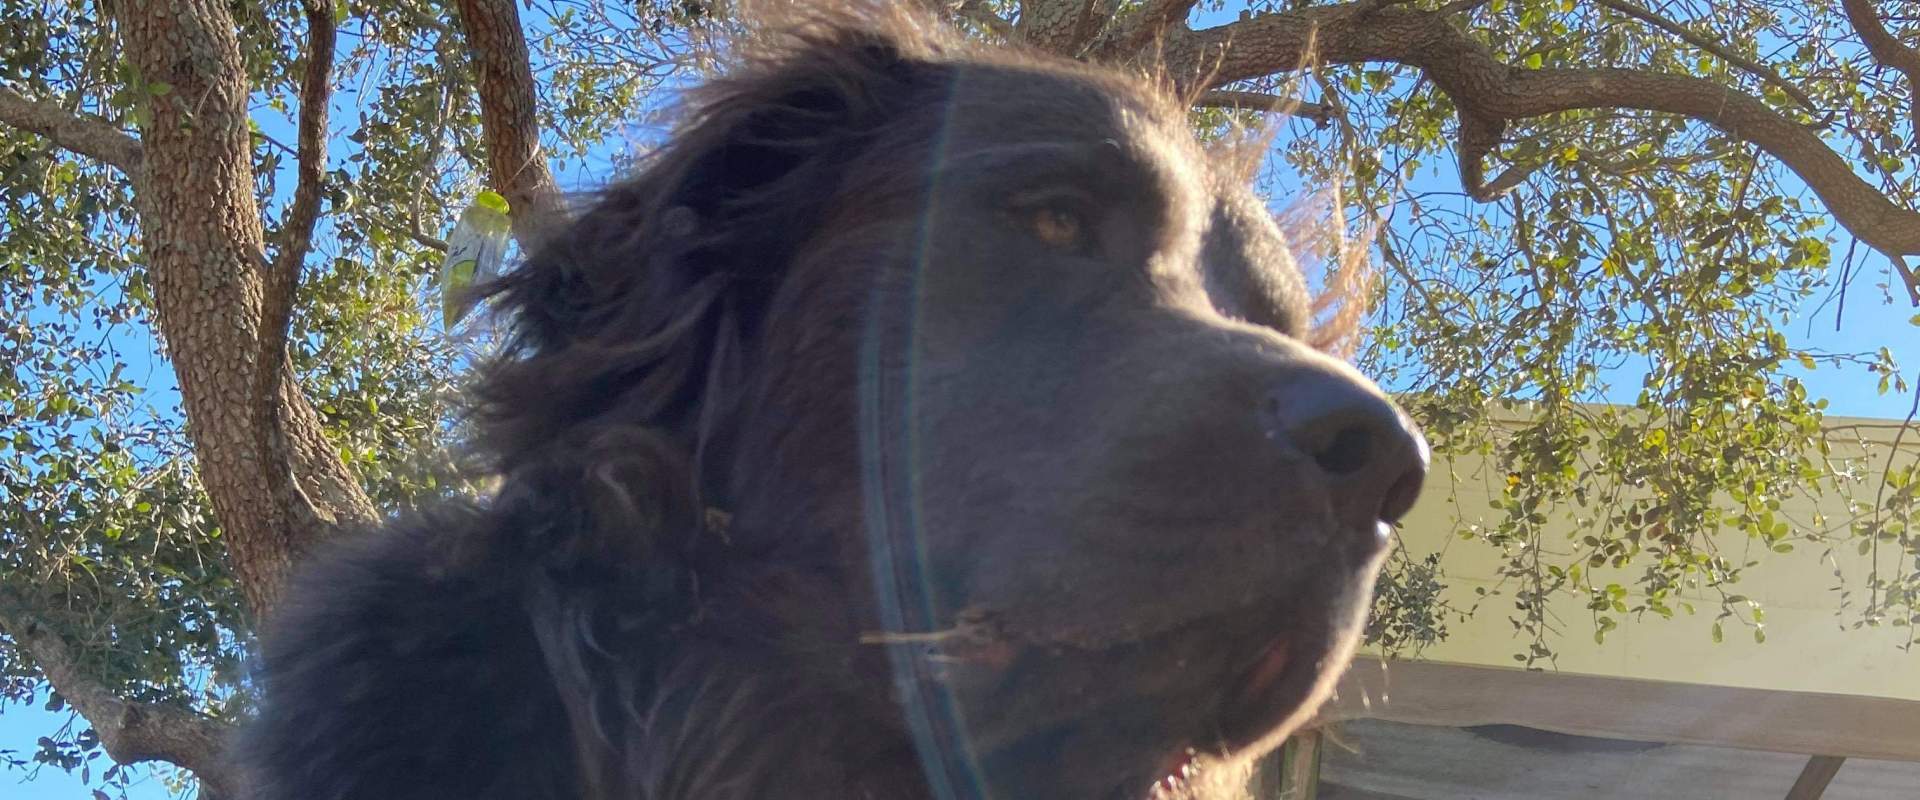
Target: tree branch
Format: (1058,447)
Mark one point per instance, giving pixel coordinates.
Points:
(1745,64)
(1483,87)
(282,280)
(1909,278)
(977,12)
(130,732)
(1479,136)
(1460,7)
(1063,27)
(1154,20)
(1890,52)
(89,136)
(507,113)
(1259,101)
(412,231)
(202,236)
(1881,43)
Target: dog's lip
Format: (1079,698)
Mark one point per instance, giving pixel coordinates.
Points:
(1285,640)
(1270,667)
(1181,767)
(1274,689)
(1279,686)
(1271,691)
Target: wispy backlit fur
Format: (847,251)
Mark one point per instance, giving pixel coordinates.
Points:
(896,334)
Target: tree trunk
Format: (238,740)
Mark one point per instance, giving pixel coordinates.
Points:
(516,167)
(205,252)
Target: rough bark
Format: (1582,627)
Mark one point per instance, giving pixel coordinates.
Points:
(517,169)
(1063,26)
(130,732)
(1154,19)
(204,246)
(203,237)
(94,138)
(296,511)
(1887,50)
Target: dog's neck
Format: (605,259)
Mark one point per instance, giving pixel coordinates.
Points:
(777,689)
(764,698)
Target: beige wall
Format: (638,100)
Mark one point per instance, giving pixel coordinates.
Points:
(1808,647)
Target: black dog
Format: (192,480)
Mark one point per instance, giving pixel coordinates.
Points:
(922,422)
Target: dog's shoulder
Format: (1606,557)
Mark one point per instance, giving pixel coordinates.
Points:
(402,664)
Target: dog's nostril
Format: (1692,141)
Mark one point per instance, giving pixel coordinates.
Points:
(1347,453)
(1372,457)
(1401,495)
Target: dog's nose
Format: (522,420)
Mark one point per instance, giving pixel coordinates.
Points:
(1373,457)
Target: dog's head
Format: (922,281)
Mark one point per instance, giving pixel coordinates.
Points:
(989,342)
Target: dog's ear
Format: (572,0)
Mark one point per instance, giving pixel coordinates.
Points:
(766,148)
(769,130)
(630,311)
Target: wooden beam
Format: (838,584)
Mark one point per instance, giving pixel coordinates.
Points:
(1300,776)
(1291,772)
(1814,779)
(1456,695)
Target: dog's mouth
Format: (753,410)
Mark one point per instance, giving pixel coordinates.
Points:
(1183,770)
(1174,714)
(1275,693)
(1242,709)
(1279,686)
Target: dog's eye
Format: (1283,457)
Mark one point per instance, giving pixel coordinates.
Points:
(1061,223)
(1056,225)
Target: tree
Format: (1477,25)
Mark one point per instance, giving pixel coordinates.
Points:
(1669,183)
(142,141)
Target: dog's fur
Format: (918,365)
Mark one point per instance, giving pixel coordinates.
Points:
(896,432)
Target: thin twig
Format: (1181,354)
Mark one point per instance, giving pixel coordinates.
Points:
(1748,65)
(1261,101)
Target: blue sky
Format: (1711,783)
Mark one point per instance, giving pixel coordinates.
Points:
(1869,322)
(20,726)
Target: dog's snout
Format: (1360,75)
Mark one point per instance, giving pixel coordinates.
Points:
(1373,458)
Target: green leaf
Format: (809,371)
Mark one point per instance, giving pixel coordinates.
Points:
(1649,261)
